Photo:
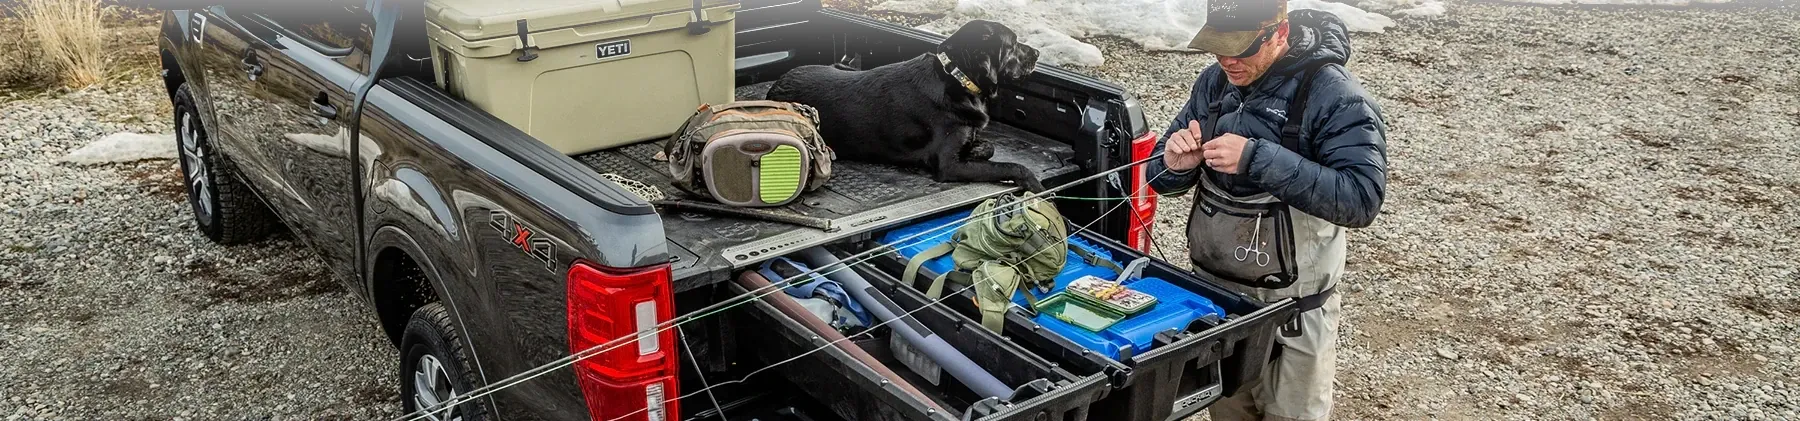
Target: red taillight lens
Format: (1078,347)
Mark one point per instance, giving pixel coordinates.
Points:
(1143,201)
(625,305)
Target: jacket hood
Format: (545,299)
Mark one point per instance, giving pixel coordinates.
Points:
(1314,37)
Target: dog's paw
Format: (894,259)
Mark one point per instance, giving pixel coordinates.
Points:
(977,151)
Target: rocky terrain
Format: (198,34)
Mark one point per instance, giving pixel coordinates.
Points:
(1590,216)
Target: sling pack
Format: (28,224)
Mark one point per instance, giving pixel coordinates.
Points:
(1249,240)
(1006,246)
(750,153)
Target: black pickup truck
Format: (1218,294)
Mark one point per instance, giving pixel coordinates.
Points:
(485,253)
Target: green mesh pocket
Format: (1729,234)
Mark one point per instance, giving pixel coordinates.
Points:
(780,175)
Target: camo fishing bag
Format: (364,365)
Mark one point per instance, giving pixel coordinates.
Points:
(750,153)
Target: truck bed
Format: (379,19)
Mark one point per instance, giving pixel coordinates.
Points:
(859,198)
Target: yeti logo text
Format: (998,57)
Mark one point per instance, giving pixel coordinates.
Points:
(612,49)
(1282,113)
(525,238)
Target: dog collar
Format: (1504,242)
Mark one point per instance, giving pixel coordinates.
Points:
(944,60)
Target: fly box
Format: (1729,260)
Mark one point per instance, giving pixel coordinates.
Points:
(585,75)
(1082,313)
(1110,295)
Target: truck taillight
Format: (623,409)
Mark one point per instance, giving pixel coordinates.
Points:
(634,377)
(1143,200)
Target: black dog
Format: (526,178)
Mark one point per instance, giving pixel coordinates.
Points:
(922,112)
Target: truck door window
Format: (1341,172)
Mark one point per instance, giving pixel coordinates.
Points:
(338,28)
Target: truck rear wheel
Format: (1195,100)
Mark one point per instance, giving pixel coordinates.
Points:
(434,367)
(224,208)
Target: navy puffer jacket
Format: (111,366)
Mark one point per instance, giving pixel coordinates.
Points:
(1340,173)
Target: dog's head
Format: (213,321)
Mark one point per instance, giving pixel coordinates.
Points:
(990,54)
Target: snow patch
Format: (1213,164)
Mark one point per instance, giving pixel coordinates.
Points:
(1429,8)
(1355,19)
(124,147)
(1058,48)
(1623,2)
(916,7)
(1054,26)
(1403,7)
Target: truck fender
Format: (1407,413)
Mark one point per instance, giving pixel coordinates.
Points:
(391,237)
(408,196)
(180,43)
(393,311)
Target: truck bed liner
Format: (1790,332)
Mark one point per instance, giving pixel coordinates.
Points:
(859,198)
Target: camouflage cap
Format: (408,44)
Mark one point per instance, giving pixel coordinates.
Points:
(1232,26)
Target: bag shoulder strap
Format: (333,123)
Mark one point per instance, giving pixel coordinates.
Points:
(1292,137)
(993,315)
(1212,118)
(755,103)
(994,320)
(803,110)
(912,268)
(1094,260)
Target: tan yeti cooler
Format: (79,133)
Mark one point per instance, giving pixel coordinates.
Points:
(584,75)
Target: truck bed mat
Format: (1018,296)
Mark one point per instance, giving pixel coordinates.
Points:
(860,197)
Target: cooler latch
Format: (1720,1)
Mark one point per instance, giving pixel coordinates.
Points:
(699,25)
(528,52)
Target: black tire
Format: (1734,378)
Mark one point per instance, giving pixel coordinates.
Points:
(431,334)
(224,208)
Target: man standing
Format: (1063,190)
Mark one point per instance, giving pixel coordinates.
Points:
(1288,152)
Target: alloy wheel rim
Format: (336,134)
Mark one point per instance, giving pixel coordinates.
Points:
(431,388)
(199,182)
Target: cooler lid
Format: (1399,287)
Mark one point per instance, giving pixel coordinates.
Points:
(474,20)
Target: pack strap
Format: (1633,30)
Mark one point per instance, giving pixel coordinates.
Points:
(912,268)
(1212,118)
(1313,302)
(756,103)
(1094,260)
(1292,137)
(1293,328)
(993,320)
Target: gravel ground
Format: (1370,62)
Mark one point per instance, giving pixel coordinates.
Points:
(1589,217)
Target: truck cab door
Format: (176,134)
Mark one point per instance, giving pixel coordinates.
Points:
(230,66)
(296,81)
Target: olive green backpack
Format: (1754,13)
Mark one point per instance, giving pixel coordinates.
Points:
(1005,246)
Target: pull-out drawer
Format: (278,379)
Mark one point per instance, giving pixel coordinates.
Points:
(842,377)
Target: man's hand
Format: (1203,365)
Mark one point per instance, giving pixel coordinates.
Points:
(1223,152)
(1182,152)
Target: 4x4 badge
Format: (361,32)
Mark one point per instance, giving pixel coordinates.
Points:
(525,238)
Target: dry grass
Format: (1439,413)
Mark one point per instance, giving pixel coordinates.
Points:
(70,36)
(20,67)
